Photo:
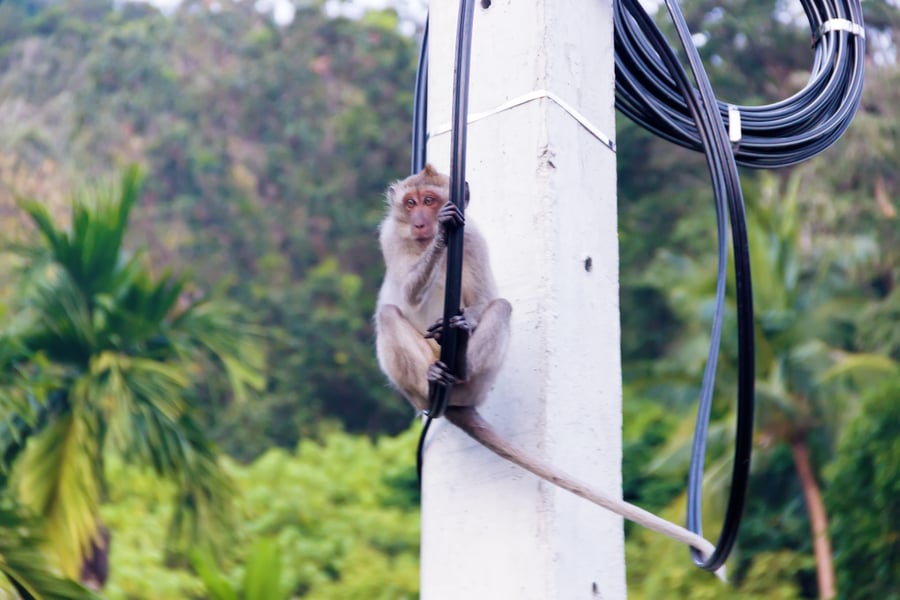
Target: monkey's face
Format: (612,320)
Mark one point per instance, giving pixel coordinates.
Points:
(420,207)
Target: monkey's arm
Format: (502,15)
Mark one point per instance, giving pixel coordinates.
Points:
(468,419)
(423,273)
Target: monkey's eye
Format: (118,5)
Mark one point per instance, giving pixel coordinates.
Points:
(429,200)
(410,202)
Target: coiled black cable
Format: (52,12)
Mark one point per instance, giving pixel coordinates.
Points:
(774,135)
(653,90)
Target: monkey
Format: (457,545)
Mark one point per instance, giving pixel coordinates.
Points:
(413,238)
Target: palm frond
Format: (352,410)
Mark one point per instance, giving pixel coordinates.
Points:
(860,367)
(58,477)
(216,329)
(22,563)
(205,510)
(63,326)
(90,252)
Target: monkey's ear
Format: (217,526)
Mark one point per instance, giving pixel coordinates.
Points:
(390,193)
(467,195)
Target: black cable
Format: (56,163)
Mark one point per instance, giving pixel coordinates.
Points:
(420,448)
(725,160)
(775,135)
(418,160)
(728,202)
(420,108)
(439,394)
(653,89)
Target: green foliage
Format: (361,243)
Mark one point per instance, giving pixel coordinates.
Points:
(121,356)
(335,503)
(262,574)
(332,520)
(139,510)
(864,498)
(647,426)
(661,568)
(267,148)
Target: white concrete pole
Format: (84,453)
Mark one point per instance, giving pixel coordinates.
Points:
(543,192)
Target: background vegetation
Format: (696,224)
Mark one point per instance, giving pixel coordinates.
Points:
(263,151)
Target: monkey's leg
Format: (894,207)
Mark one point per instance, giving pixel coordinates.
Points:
(403,354)
(487,343)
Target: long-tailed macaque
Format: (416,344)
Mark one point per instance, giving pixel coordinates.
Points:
(413,238)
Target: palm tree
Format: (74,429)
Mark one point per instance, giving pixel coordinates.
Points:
(800,305)
(107,356)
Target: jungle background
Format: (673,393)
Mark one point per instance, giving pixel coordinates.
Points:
(189,402)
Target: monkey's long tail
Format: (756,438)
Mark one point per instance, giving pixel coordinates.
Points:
(470,421)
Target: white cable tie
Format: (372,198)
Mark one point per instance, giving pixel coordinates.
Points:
(839,25)
(531,97)
(734,125)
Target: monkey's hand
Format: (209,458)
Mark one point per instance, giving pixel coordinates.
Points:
(464,331)
(434,332)
(450,218)
(459,322)
(439,373)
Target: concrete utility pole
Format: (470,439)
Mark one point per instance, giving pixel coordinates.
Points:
(544,194)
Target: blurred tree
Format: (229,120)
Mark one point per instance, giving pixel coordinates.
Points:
(268,148)
(119,351)
(864,498)
(803,303)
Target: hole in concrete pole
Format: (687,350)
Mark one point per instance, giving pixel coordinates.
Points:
(588,264)
(485,3)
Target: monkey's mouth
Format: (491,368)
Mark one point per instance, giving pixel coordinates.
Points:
(423,239)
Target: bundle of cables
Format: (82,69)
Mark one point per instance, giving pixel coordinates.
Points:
(654,90)
(771,136)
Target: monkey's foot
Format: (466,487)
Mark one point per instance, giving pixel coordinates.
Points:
(440,374)
(461,323)
(434,332)
(458,322)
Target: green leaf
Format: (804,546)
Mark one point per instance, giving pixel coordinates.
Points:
(262,574)
(864,366)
